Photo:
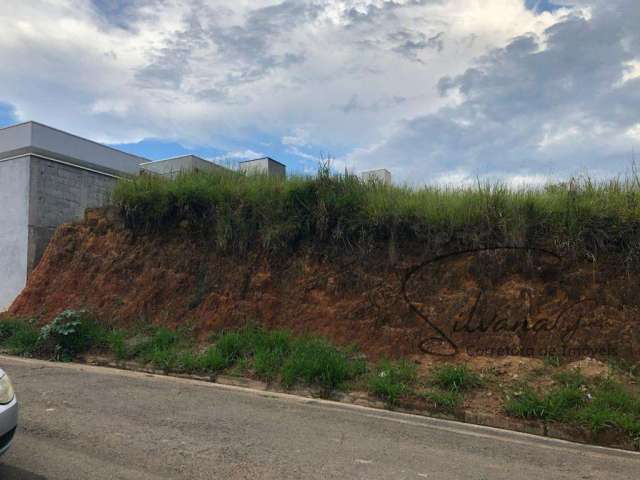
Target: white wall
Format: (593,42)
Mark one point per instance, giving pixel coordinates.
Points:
(14,212)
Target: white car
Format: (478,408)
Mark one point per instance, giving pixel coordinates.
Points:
(8,412)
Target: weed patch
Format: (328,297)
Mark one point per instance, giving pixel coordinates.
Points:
(391,381)
(314,361)
(238,212)
(20,337)
(71,333)
(455,377)
(604,404)
(443,399)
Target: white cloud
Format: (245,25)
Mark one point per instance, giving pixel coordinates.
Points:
(631,71)
(364,76)
(239,155)
(299,138)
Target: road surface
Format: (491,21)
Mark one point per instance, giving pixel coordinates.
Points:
(82,422)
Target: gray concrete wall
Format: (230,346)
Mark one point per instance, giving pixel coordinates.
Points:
(58,194)
(171,167)
(14,233)
(263,166)
(32,137)
(15,138)
(381,175)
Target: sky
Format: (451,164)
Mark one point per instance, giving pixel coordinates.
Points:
(436,91)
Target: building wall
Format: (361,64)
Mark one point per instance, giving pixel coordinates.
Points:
(263,166)
(14,199)
(35,138)
(277,170)
(86,151)
(259,166)
(59,194)
(171,167)
(381,175)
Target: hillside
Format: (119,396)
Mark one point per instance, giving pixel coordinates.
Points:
(390,301)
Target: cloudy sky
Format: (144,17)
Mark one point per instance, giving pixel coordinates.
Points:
(433,90)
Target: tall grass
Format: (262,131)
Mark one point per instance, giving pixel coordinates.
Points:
(240,212)
(604,404)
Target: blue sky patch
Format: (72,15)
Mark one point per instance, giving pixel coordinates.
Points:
(155,149)
(299,160)
(540,6)
(7,114)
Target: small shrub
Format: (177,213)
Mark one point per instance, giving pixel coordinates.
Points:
(392,380)
(71,333)
(455,377)
(314,361)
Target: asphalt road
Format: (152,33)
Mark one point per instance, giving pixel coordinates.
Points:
(80,422)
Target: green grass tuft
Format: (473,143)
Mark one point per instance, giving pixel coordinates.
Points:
(391,381)
(314,361)
(605,404)
(612,405)
(444,399)
(455,377)
(270,353)
(20,337)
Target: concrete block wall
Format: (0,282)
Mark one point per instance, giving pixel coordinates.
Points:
(60,193)
(264,166)
(171,167)
(381,175)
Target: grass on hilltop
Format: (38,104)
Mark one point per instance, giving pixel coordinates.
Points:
(241,212)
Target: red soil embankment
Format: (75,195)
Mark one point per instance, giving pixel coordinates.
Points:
(490,302)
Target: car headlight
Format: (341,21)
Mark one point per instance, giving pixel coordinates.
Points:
(6,390)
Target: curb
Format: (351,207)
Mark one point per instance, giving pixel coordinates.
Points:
(543,429)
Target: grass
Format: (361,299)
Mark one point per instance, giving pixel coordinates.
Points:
(455,378)
(391,381)
(69,334)
(20,337)
(603,403)
(239,212)
(271,353)
(443,399)
(556,404)
(612,405)
(314,361)
(278,355)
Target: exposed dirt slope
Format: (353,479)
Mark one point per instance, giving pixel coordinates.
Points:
(490,302)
